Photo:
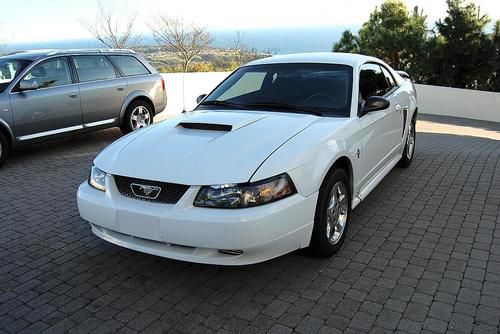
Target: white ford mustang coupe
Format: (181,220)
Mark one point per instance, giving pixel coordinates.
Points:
(272,160)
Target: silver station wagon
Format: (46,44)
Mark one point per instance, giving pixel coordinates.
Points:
(51,93)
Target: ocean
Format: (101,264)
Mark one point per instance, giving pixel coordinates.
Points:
(276,40)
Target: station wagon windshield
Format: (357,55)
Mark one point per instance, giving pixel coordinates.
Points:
(10,69)
(321,89)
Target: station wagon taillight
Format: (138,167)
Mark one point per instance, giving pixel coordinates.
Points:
(163,84)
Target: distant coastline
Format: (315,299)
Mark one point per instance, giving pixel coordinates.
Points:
(277,40)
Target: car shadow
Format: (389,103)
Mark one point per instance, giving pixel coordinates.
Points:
(448,120)
(73,145)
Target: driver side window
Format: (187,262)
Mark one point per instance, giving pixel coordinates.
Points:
(372,81)
(51,73)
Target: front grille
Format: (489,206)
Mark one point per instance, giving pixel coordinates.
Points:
(170,193)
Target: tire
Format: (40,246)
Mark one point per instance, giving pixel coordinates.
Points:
(4,149)
(324,241)
(141,111)
(409,150)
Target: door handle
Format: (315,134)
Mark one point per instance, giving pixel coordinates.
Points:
(121,88)
(73,95)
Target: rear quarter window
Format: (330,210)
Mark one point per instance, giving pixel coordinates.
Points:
(129,65)
(388,76)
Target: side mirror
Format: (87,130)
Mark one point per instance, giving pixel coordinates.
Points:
(374,103)
(200,98)
(28,85)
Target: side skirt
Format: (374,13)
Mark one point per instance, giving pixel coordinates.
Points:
(377,178)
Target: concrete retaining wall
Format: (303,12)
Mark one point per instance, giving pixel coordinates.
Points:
(195,84)
(456,102)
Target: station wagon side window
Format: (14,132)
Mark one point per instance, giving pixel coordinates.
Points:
(129,65)
(372,81)
(50,73)
(94,68)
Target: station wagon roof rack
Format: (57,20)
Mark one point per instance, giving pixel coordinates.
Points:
(89,51)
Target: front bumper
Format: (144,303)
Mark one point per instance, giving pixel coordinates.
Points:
(193,234)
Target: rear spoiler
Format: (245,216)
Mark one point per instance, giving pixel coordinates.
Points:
(404,75)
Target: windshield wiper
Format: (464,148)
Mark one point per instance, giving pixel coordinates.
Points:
(222,104)
(283,106)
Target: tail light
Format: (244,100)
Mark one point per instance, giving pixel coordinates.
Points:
(163,84)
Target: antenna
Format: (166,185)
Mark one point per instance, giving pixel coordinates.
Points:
(184,91)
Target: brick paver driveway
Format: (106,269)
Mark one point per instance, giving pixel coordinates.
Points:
(423,254)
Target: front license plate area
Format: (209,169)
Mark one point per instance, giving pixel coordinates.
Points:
(143,226)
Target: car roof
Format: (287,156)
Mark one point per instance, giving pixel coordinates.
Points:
(37,54)
(350,59)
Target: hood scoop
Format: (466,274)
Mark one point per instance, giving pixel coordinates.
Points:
(223,121)
(206,126)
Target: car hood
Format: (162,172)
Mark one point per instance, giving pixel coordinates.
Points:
(202,148)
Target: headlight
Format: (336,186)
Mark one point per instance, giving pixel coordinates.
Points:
(245,195)
(97,178)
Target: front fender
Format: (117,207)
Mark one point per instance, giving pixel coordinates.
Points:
(6,118)
(309,155)
(10,132)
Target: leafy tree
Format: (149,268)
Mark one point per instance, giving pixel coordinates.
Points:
(495,77)
(348,43)
(496,35)
(429,63)
(457,53)
(394,35)
(467,51)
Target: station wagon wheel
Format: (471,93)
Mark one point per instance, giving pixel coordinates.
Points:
(410,143)
(137,116)
(4,149)
(332,215)
(140,118)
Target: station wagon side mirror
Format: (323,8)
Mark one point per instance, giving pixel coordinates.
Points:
(28,85)
(374,103)
(200,98)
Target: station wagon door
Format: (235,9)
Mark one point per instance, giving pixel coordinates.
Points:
(53,107)
(102,89)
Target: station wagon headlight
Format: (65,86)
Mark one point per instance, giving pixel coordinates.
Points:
(246,194)
(97,178)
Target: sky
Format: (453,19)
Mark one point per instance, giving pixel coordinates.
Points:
(47,20)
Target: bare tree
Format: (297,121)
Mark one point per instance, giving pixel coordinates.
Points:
(186,39)
(241,52)
(114,27)
(3,43)
(239,49)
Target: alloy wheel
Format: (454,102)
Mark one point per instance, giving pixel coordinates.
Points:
(410,141)
(336,213)
(140,118)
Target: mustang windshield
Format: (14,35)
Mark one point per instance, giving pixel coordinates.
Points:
(10,69)
(322,89)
